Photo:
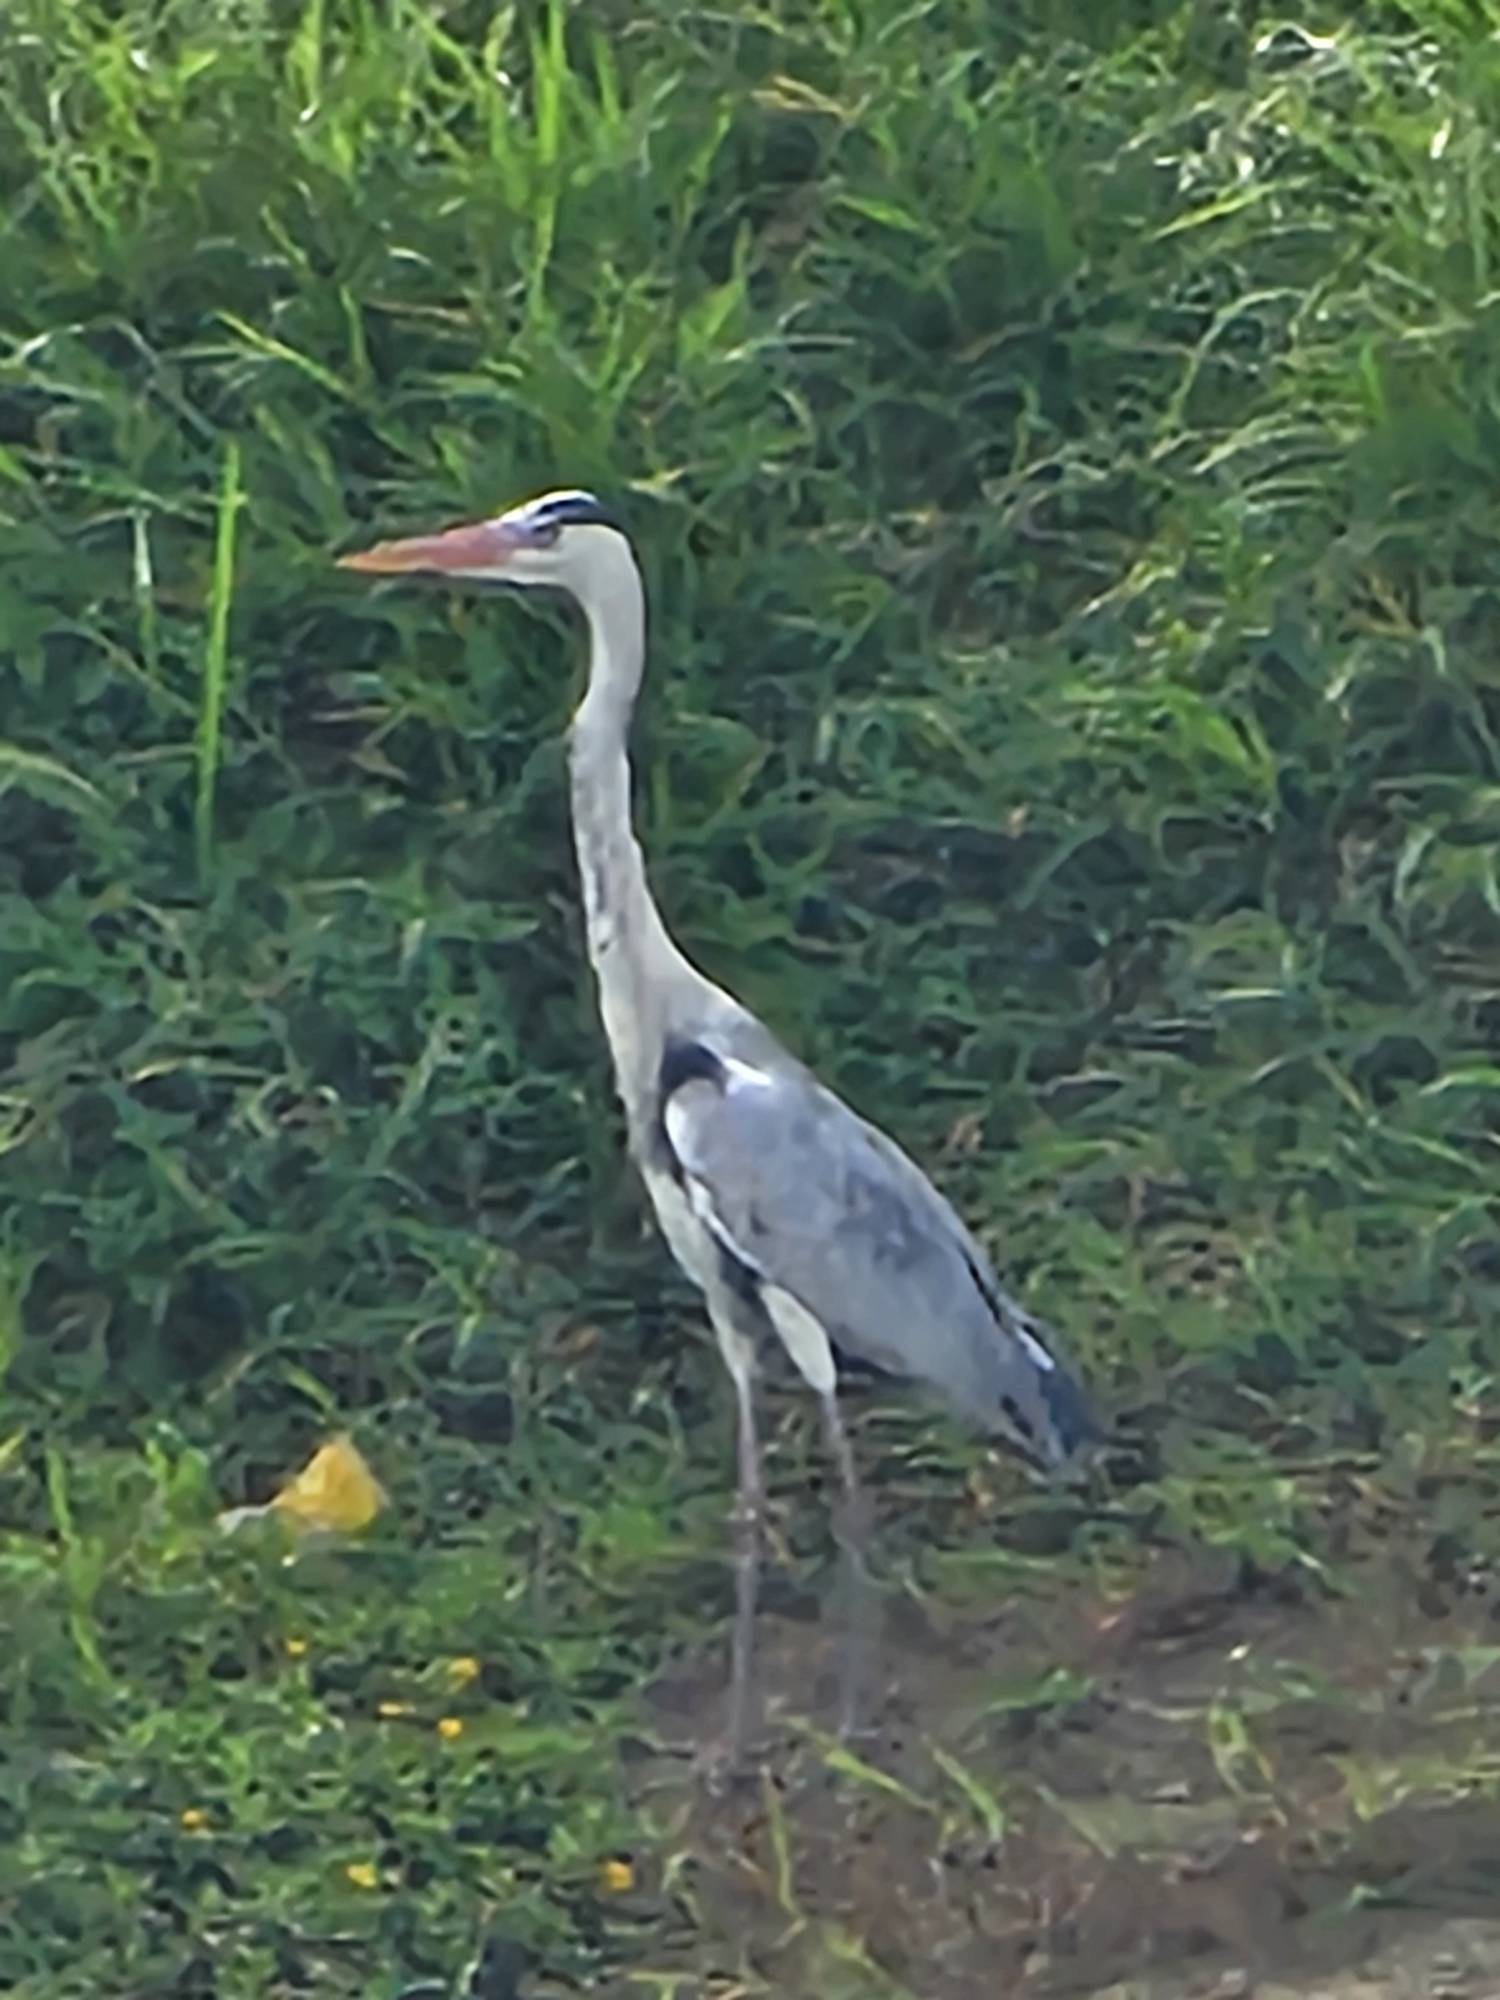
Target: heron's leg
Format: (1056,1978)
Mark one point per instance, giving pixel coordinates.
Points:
(853,1518)
(856,1588)
(739,1358)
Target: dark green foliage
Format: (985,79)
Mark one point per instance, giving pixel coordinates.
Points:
(1062,441)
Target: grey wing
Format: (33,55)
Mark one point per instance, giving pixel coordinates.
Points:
(818,1207)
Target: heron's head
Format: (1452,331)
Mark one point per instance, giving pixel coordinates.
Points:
(562,541)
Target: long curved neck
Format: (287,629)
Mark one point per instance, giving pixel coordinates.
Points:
(646,986)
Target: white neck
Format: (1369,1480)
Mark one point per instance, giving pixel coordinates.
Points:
(645,984)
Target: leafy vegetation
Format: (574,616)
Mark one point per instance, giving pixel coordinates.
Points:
(1062,443)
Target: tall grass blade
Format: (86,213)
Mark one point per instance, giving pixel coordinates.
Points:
(214,686)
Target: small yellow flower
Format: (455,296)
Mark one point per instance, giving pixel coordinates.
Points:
(450,1728)
(363,1874)
(194,1820)
(464,1671)
(616,1877)
(294,1648)
(389,1711)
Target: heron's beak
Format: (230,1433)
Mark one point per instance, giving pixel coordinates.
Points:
(474,550)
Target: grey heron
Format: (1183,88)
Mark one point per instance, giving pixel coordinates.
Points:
(793,1217)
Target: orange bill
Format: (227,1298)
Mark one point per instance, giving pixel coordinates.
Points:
(482,545)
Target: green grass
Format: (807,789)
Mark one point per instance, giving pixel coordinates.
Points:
(1062,442)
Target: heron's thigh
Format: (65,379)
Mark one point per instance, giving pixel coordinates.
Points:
(735,1344)
(803,1338)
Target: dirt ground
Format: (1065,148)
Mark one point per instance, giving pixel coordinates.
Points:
(1208,1789)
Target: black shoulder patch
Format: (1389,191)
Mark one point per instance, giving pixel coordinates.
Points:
(686,1062)
(681,1062)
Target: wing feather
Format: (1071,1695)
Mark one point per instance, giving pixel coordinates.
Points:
(827,1211)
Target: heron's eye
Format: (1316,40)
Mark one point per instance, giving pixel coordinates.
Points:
(544,534)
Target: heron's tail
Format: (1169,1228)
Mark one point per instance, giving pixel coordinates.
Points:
(1042,1402)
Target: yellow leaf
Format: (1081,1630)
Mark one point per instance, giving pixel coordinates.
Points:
(335,1491)
(616,1878)
(362,1874)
